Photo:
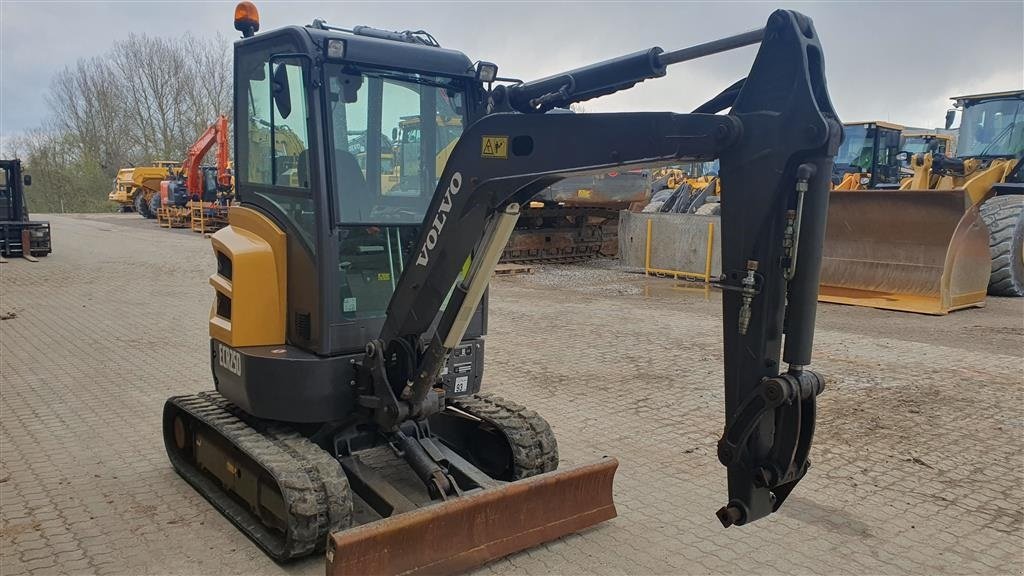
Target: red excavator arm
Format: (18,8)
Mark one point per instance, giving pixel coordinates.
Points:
(216,133)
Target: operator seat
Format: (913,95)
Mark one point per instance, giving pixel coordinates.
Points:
(351,191)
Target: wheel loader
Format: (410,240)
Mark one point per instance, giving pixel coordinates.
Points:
(950,233)
(349,325)
(868,157)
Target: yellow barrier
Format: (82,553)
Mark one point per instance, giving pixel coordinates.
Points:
(706,276)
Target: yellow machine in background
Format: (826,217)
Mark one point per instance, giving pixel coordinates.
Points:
(923,142)
(868,157)
(287,145)
(950,233)
(135,187)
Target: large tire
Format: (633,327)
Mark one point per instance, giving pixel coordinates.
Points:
(141,206)
(154,206)
(1004,216)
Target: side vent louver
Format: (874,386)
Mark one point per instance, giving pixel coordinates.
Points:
(302,325)
(224,265)
(223,306)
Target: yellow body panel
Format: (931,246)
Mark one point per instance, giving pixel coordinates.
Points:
(977,182)
(257,289)
(145,179)
(851,181)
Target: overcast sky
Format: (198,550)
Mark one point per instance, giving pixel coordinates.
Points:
(895,61)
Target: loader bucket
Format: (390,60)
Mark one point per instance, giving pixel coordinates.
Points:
(471,530)
(922,251)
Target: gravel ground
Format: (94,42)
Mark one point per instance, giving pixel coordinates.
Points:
(918,460)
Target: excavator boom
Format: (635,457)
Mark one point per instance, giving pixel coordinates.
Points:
(216,133)
(778,179)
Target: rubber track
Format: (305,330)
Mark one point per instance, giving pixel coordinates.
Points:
(312,483)
(534,448)
(1002,215)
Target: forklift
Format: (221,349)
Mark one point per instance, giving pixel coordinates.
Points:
(19,236)
(347,321)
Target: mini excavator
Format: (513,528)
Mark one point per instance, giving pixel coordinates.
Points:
(350,320)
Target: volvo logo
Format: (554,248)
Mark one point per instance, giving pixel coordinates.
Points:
(440,219)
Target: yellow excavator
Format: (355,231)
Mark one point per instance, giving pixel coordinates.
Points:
(348,325)
(950,233)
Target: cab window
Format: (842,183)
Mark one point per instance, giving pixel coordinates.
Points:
(392,134)
(273,156)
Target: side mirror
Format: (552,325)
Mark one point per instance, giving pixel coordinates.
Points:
(350,85)
(27,179)
(282,91)
(903,156)
(394,134)
(950,117)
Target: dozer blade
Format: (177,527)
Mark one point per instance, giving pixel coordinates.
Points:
(471,530)
(922,251)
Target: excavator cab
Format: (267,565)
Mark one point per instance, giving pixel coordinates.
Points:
(351,243)
(350,319)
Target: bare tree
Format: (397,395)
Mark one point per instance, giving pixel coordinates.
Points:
(146,99)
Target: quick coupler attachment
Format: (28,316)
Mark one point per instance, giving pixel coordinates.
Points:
(764,467)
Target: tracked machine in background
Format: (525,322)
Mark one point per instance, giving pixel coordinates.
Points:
(19,234)
(347,320)
(950,233)
(576,218)
(196,187)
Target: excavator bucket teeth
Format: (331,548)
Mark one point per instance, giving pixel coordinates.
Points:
(924,251)
(471,530)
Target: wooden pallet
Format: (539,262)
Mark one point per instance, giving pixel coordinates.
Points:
(207,218)
(512,269)
(172,217)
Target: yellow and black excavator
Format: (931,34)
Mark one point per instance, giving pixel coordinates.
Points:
(347,321)
(949,234)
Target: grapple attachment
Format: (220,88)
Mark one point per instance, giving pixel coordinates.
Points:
(922,251)
(471,530)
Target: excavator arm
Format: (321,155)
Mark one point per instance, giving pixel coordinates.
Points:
(776,147)
(216,133)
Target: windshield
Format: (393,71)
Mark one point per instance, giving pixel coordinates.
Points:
(387,160)
(993,128)
(916,144)
(857,148)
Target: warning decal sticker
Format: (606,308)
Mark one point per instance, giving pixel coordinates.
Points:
(494,147)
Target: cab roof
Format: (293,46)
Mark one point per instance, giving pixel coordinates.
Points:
(878,123)
(376,52)
(989,95)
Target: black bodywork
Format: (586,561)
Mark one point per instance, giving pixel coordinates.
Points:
(16,228)
(776,145)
